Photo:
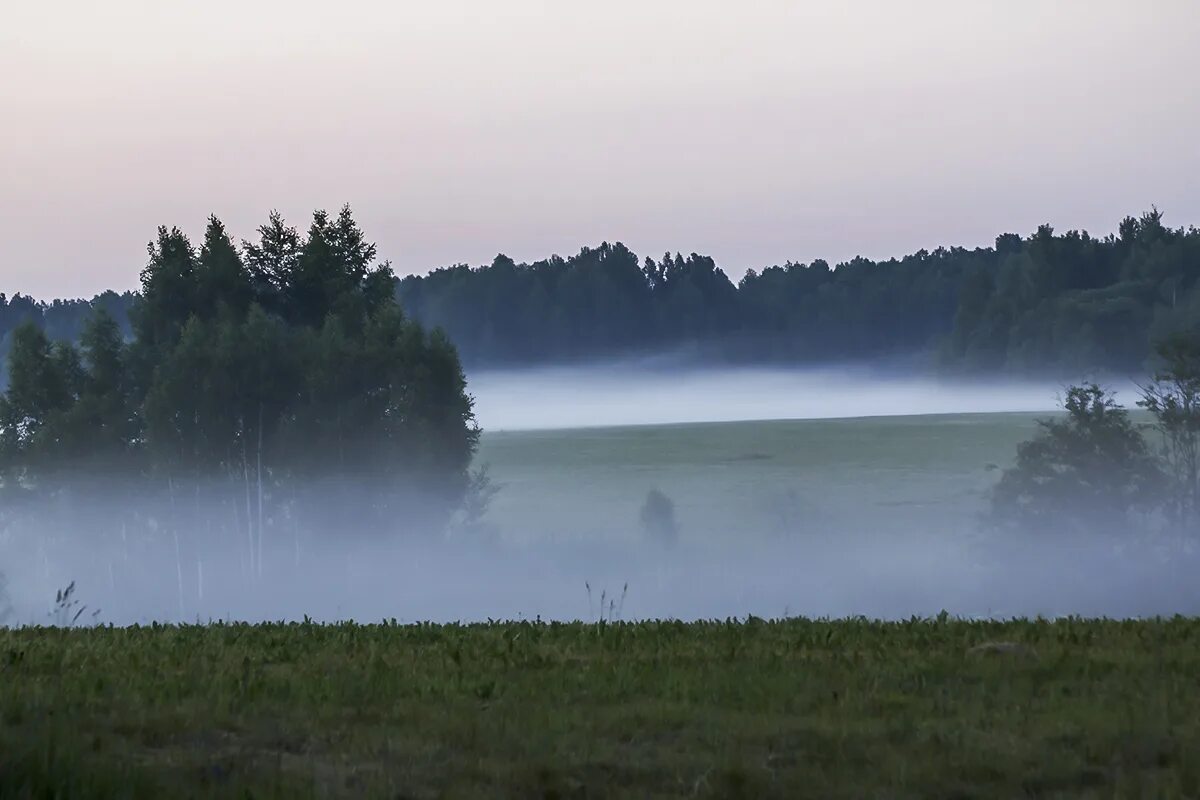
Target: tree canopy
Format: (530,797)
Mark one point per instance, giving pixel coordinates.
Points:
(262,368)
(1060,303)
(1049,302)
(1085,472)
(1094,470)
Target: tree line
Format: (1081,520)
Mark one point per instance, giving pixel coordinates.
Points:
(1047,302)
(270,386)
(62,320)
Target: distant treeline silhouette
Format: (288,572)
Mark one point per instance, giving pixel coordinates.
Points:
(1047,302)
(61,320)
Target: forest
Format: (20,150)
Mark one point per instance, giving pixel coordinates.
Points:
(253,397)
(1056,303)
(1061,303)
(248,377)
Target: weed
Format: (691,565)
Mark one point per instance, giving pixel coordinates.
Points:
(67,608)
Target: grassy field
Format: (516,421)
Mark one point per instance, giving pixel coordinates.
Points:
(786,709)
(753,479)
(873,516)
(742,709)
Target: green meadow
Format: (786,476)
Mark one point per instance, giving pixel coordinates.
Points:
(751,480)
(750,708)
(742,707)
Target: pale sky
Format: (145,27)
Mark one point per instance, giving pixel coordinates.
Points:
(756,132)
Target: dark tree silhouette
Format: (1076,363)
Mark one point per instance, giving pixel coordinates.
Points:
(1055,303)
(1085,473)
(250,373)
(1058,303)
(1173,399)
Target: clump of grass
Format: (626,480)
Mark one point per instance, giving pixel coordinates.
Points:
(52,765)
(1014,649)
(611,608)
(67,608)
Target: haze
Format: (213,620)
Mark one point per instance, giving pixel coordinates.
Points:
(459,130)
(827,571)
(875,517)
(769,132)
(646,394)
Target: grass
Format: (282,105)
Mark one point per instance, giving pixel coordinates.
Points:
(753,479)
(791,708)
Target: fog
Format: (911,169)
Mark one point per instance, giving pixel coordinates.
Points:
(872,550)
(646,393)
(844,575)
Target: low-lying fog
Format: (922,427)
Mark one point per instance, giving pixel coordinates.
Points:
(845,574)
(643,394)
(833,518)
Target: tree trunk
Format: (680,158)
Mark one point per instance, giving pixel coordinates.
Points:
(249,516)
(260,490)
(178,556)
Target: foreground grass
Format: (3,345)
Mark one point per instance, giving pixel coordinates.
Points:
(793,708)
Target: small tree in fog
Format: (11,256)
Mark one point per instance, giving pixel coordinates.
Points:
(658,518)
(1173,398)
(477,498)
(1086,472)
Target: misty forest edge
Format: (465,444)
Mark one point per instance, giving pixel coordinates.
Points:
(278,387)
(250,375)
(1061,304)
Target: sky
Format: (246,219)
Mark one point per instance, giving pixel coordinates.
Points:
(755,132)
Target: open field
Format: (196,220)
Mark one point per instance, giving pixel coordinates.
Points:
(874,516)
(815,478)
(792,708)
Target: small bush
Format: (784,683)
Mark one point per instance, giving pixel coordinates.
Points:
(477,498)
(658,518)
(1086,472)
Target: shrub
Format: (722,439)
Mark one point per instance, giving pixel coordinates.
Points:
(1087,472)
(658,518)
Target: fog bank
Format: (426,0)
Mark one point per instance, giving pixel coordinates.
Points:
(824,517)
(471,582)
(574,397)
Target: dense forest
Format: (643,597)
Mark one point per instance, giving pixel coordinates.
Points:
(276,385)
(62,320)
(1049,302)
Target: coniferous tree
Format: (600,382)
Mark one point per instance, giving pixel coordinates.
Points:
(249,375)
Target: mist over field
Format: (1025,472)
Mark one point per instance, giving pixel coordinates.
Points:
(867,502)
(672,399)
(648,393)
